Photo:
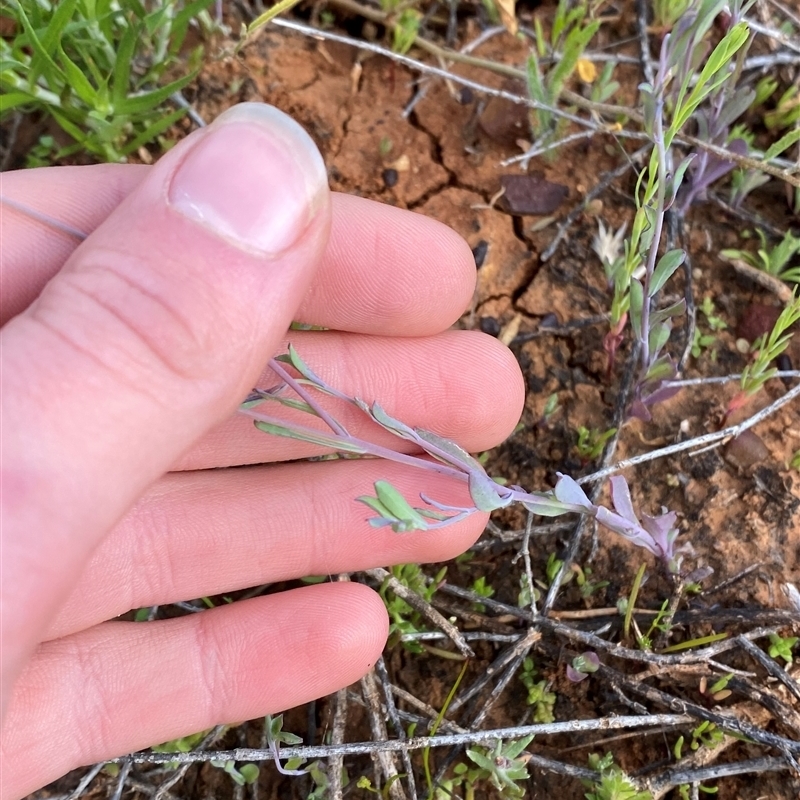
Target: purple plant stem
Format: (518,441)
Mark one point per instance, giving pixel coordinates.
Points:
(301,392)
(369,448)
(658,136)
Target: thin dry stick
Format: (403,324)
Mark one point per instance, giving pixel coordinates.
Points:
(208,741)
(500,663)
(642,10)
(415,743)
(425,609)
(605,181)
(85,781)
(427,710)
(399,732)
(385,762)
(771,666)
(336,762)
(594,642)
(698,441)
(675,776)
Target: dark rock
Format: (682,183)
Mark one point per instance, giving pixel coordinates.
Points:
(390,177)
(531,194)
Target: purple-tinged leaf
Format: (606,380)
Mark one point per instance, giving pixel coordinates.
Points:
(621,498)
(630,530)
(575,676)
(545,505)
(388,422)
(449,451)
(303,434)
(488,495)
(662,394)
(569,491)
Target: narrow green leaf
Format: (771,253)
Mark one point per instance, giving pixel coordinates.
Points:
(665,268)
(13,100)
(147,101)
(62,14)
(659,336)
(152,131)
(121,76)
(307,435)
(784,143)
(181,23)
(637,303)
(393,500)
(77,80)
(42,62)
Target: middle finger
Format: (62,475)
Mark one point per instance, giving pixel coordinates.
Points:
(203,533)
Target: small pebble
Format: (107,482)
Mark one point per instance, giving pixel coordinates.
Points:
(746,450)
(490,325)
(479,253)
(390,177)
(465,96)
(743,346)
(784,364)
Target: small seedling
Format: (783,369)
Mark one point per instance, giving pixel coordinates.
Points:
(571,32)
(591,442)
(504,766)
(587,586)
(781,646)
(582,666)
(704,341)
(482,588)
(404,619)
(772,260)
(539,696)
(767,348)
(405,30)
(613,783)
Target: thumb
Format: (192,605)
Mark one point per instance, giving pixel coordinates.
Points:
(153,331)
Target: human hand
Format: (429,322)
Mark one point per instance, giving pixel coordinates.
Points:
(125,357)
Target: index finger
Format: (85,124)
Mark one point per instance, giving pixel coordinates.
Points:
(386,270)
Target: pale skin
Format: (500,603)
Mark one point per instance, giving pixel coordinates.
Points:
(123,361)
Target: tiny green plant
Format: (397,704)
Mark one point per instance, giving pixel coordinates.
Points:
(405,30)
(403,618)
(97,69)
(775,260)
(482,588)
(582,666)
(246,773)
(707,341)
(613,783)
(583,578)
(592,441)
(572,30)
(767,348)
(781,646)
(504,765)
(539,695)
(667,12)
(794,461)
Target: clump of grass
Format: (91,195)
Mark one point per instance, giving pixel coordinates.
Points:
(98,69)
